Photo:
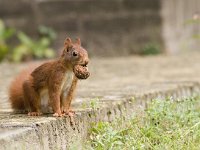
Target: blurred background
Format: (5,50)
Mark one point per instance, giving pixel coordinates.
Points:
(36,29)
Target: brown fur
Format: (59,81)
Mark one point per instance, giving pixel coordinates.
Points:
(56,76)
(16,89)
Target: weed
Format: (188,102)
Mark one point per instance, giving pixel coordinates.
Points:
(95,103)
(150,49)
(166,124)
(27,48)
(5,34)
(84,105)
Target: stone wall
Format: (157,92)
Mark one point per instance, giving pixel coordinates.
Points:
(180,26)
(109,27)
(106,27)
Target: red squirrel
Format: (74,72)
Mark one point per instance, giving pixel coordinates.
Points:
(52,84)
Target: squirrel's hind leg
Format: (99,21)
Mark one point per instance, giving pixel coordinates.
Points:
(31,99)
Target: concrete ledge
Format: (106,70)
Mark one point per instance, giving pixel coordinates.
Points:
(123,86)
(46,132)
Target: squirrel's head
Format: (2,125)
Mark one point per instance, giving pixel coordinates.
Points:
(75,55)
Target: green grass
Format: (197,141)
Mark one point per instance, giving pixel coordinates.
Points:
(166,124)
(151,49)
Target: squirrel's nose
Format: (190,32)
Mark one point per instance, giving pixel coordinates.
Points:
(86,61)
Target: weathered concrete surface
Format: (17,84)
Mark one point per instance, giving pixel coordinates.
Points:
(123,86)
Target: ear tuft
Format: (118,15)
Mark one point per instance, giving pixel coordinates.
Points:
(68,42)
(78,41)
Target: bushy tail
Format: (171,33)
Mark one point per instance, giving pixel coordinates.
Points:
(16,94)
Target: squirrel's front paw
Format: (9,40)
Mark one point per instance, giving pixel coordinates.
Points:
(34,113)
(70,113)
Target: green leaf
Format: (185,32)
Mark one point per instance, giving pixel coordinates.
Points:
(3,51)
(44,42)
(47,32)
(2,28)
(19,52)
(24,39)
(49,53)
(5,33)
(8,33)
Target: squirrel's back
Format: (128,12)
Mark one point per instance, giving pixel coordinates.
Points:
(16,95)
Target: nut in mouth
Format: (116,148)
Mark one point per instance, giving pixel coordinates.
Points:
(81,71)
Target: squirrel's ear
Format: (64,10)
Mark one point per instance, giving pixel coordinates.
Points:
(68,42)
(78,41)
